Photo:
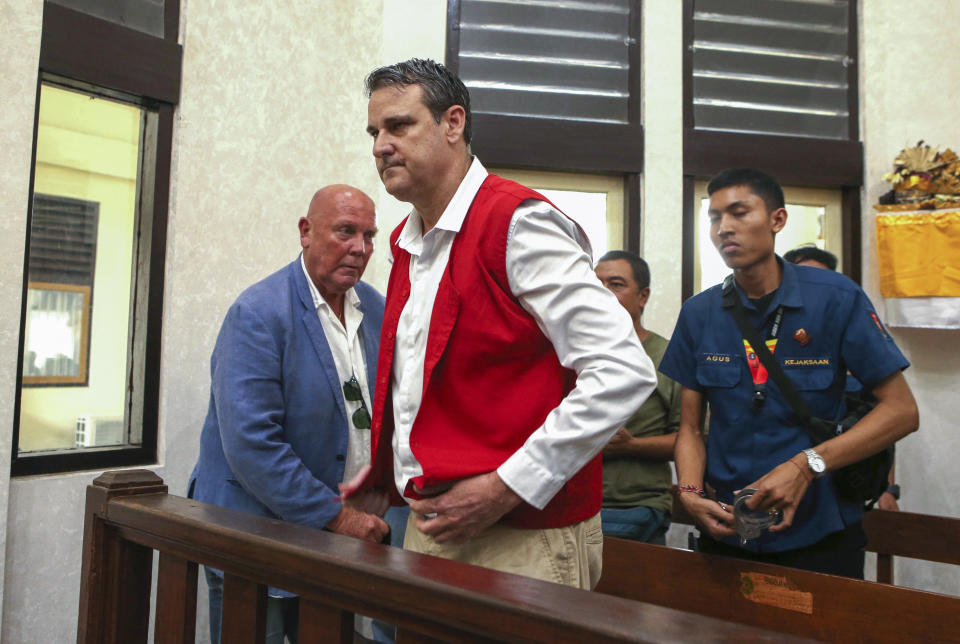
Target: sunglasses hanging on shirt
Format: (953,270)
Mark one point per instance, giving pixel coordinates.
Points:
(352,392)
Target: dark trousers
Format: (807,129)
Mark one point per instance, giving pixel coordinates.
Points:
(840,553)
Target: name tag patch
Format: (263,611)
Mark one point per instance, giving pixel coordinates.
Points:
(806,362)
(717,357)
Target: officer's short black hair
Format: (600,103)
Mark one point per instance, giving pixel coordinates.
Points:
(641,271)
(805,253)
(759,183)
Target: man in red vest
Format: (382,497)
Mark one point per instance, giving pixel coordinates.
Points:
(505,365)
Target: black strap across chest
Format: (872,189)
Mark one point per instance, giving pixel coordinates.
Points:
(732,303)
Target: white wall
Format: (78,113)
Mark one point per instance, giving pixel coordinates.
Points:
(662,199)
(18,87)
(906,95)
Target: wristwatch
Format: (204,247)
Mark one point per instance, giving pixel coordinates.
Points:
(894,491)
(815,462)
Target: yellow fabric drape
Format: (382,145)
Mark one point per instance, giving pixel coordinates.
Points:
(919,253)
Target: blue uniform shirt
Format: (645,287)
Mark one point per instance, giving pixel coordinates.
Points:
(829,326)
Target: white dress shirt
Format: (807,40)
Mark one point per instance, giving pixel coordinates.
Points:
(550,272)
(346,345)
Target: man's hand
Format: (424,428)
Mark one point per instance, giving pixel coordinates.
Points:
(371,501)
(468,508)
(714,517)
(355,523)
(349,488)
(781,489)
(618,442)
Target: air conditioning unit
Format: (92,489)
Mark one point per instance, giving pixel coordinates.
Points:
(100,431)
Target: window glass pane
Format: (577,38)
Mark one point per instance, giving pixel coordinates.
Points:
(771,67)
(79,269)
(142,15)
(594,201)
(813,218)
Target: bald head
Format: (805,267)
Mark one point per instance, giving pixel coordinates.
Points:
(338,197)
(337,239)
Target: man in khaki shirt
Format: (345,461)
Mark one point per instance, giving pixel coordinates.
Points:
(636,469)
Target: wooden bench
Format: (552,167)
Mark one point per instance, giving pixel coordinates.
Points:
(890,534)
(906,534)
(825,607)
(129,515)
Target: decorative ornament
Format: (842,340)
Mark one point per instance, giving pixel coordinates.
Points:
(923,179)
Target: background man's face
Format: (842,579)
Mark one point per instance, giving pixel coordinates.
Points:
(337,240)
(408,144)
(741,228)
(617,276)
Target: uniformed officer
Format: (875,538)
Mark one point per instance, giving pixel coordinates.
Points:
(818,324)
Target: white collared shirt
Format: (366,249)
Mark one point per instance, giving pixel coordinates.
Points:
(550,272)
(346,345)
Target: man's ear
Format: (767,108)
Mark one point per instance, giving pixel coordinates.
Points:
(644,295)
(454,120)
(778,219)
(304,225)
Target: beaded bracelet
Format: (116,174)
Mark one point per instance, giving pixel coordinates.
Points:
(690,488)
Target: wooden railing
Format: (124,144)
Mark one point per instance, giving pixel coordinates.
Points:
(906,534)
(129,515)
(823,607)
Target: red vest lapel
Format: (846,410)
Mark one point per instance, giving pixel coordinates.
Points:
(442,321)
(381,435)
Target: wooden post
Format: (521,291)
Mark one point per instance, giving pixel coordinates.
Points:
(176,621)
(244,616)
(884,568)
(115,577)
(320,622)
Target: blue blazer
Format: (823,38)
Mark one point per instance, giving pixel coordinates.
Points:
(274,442)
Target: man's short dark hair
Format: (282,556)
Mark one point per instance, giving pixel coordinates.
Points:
(759,183)
(441,88)
(641,272)
(805,253)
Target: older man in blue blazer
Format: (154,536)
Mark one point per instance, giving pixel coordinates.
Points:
(292,375)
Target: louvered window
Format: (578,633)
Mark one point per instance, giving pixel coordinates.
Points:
(63,240)
(567,60)
(779,67)
(536,66)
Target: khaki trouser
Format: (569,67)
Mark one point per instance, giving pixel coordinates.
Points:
(572,555)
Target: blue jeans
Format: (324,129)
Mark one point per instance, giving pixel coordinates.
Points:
(637,524)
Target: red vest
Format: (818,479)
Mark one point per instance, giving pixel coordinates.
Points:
(490,375)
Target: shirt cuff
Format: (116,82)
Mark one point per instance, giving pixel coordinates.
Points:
(529,480)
